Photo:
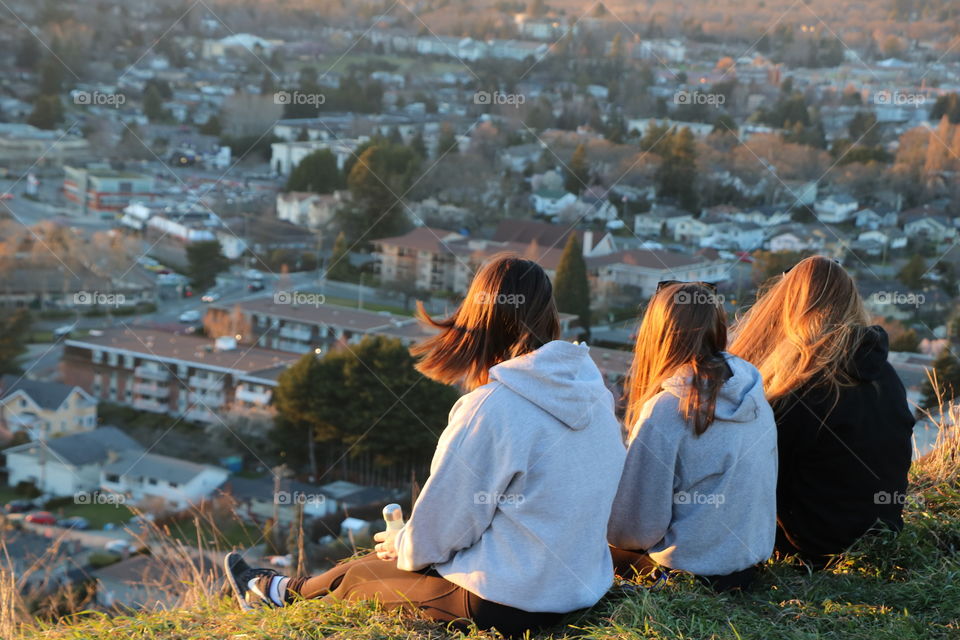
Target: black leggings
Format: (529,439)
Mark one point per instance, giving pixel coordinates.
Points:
(637,564)
(370,578)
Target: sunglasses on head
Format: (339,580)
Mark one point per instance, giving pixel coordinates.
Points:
(835,261)
(666,283)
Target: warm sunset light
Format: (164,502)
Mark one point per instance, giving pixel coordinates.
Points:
(441,319)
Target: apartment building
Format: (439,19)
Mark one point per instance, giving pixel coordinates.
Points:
(175,374)
(105,190)
(300,322)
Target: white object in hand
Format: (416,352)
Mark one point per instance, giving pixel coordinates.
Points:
(393,516)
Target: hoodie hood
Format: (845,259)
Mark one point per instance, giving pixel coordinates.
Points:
(867,363)
(560,378)
(740,396)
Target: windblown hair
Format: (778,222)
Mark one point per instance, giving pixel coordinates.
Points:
(508,311)
(684,331)
(804,328)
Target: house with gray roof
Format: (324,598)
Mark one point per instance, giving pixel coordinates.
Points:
(69,464)
(160,482)
(44,409)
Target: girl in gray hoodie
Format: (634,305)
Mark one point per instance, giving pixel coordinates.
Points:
(698,492)
(509,532)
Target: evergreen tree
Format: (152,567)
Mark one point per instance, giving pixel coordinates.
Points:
(571,287)
(340,267)
(447,143)
(577,176)
(153,104)
(47,112)
(13,339)
(913,272)
(205,260)
(677,174)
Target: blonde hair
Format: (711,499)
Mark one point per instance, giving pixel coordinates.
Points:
(805,327)
(684,326)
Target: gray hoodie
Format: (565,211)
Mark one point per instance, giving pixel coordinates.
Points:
(703,504)
(521,486)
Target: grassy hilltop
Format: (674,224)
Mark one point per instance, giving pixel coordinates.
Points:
(897,587)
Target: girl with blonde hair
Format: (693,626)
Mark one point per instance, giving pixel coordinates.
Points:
(843,423)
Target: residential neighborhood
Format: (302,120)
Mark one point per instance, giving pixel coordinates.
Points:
(224,225)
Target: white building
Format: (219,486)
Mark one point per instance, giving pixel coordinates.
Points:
(69,464)
(552,201)
(312,210)
(285,156)
(836,208)
(152,477)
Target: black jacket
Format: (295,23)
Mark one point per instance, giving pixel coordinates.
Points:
(844,466)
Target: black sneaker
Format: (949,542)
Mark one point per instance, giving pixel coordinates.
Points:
(239,575)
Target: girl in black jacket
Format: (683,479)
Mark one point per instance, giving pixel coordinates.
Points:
(844,426)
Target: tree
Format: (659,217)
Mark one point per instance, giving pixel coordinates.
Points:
(677,174)
(153,104)
(316,173)
(571,287)
(13,339)
(205,260)
(913,272)
(943,385)
(28,54)
(340,267)
(907,340)
(577,176)
(47,112)
(377,182)
(367,404)
(447,142)
(767,264)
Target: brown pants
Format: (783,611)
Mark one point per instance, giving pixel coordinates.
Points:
(632,565)
(370,578)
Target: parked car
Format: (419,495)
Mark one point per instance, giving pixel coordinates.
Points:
(190,315)
(255,285)
(120,546)
(280,561)
(74,522)
(41,517)
(19,506)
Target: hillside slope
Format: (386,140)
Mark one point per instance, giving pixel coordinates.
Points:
(898,587)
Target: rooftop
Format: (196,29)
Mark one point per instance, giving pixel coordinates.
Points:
(173,347)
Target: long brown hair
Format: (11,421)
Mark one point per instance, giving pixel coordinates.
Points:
(805,327)
(684,327)
(508,311)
